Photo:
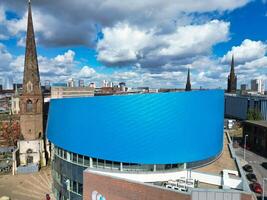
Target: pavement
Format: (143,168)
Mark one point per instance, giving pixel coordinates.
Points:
(32,186)
(255,161)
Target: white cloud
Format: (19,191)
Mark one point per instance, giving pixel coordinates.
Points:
(67,57)
(86,72)
(123,43)
(129,44)
(248,51)
(195,39)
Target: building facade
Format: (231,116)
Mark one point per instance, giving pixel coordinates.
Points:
(238,106)
(141,133)
(256,132)
(257,85)
(67,92)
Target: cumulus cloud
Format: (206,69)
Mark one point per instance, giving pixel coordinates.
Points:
(249,50)
(124,44)
(56,25)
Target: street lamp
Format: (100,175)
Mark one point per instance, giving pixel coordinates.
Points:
(263,181)
(245,146)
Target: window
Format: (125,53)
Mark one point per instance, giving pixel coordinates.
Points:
(86,161)
(29,86)
(29,106)
(80,159)
(80,188)
(74,186)
(74,157)
(64,154)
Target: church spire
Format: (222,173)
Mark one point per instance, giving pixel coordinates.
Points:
(233,66)
(188,84)
(31,78)
(232,79)
(31,99)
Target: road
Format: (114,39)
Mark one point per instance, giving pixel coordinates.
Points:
(255,161)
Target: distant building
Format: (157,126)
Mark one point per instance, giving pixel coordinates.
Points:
(110,84)
(59,85)
(92,85)
(232,79)
(188,84)
(237,106)
(81,83)
(67,92)
(47,85)
(243,87)
(122,86)
(257,85)
(8,83)
(105,83)
(71,83)
(15,103)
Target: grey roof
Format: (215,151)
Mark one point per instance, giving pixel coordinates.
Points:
(259,123)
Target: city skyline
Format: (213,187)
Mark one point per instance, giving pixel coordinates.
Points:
(122,46)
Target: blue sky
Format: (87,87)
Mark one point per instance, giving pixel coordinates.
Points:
(142,43)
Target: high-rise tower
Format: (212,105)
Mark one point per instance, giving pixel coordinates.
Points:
(188,84)
(31,100)
(232,79)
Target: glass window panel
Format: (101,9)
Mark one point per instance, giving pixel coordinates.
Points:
(80,159)
(86,160)
(80,188)
(74,186)
(74,157)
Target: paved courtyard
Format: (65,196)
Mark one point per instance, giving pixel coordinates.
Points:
(27,186)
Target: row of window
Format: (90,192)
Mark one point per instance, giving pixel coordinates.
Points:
(67,183)
(106,164)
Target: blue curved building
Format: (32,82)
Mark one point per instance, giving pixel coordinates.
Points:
(141,132)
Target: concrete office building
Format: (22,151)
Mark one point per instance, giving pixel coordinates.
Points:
(67,92)
(237,106)
(257,85)
(256,132)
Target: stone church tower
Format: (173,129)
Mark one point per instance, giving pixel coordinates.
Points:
(188,83)
(31,100)
(31,145)
(232,79)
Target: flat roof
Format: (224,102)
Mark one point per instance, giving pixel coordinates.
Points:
(225,161)
(259,123)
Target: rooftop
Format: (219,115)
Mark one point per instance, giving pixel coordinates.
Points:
(259,123)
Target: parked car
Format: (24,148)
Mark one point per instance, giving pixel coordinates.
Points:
(252,177)
(248,168)
(264,165)
(256,187)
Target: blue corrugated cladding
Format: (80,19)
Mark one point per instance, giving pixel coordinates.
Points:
(161,128)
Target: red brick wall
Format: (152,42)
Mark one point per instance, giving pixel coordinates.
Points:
(118,189)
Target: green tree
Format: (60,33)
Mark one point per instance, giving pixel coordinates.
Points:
(254,114)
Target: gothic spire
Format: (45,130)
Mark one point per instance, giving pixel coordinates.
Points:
(233,65)
(232,79)
(188,84)
(31,78)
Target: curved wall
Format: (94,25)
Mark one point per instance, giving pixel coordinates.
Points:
(162,128)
